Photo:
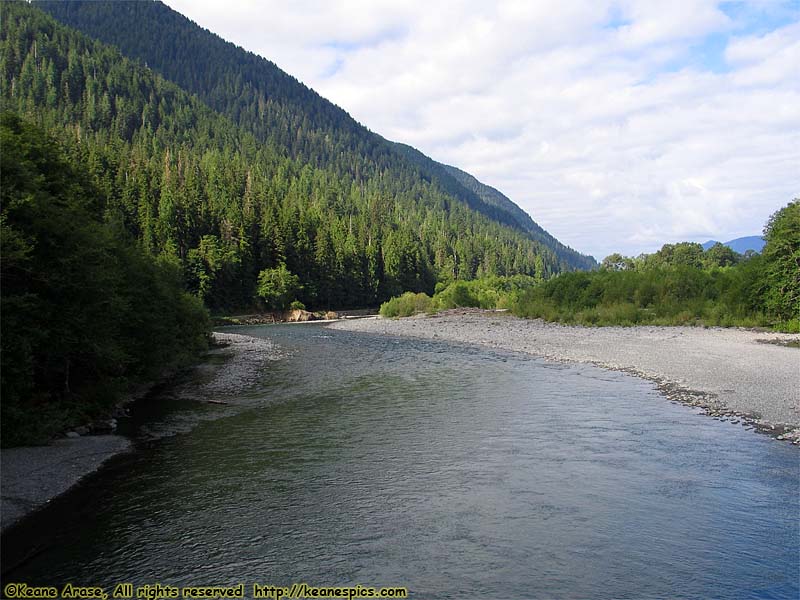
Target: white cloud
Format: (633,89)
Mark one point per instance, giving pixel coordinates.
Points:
(601,119)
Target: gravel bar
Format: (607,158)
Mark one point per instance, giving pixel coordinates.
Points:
(740,374)
(32,476)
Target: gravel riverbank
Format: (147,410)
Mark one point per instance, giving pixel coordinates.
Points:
(243,358)
(733,373)
(32,476)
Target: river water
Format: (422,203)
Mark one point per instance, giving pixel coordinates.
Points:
(454,471)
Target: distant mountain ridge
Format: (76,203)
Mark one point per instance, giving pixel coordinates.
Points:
(277,108)
(494,197)
(740,245)
(494,203)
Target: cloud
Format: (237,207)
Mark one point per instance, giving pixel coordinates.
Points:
(609,122)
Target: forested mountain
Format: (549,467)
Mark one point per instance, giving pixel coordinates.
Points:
(255,173)
(521,219)
(274,106)
(277,108)
(491,202)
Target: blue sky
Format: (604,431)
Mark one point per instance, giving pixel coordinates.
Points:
(618,125)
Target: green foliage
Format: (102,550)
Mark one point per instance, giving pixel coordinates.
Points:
(683,254)
(720,255)
(211,269)
(84,310)
(680,283)
(457,294)
(406,305)
(617,262)
(660,296)
(277,287)
(297,305)
(488,293)
(782,263)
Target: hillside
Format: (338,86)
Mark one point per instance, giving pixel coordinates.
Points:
(278,109)
(493,197)
(201,192)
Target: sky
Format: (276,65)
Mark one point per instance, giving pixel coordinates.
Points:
(617,125)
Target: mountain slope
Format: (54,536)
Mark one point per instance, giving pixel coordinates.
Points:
(278,109)
(523,220)
(204,193)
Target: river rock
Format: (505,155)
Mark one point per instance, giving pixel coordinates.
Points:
(300,316)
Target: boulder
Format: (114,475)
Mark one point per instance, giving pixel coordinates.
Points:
(298,315)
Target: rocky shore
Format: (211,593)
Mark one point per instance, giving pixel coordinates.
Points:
(746,376)
(239,364)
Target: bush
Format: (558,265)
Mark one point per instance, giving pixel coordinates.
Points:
(406,305)
(486,293)
(457,294)
(659,296)
(277,286)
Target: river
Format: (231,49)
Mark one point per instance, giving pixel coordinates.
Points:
(451,470)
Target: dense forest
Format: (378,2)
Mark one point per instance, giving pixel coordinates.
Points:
(79,295)
(681,284)
(279,110)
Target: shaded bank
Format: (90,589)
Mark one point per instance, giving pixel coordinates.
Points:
(32,476)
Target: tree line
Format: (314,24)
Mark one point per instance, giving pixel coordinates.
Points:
(680,284)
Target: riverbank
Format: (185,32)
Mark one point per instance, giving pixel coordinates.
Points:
(292,316)
(745,375)
(236,363)
(30,477)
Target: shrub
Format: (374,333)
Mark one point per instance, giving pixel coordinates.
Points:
(277,286)
(406,305)
(457,294)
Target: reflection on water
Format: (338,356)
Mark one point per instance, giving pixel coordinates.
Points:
(455,471)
